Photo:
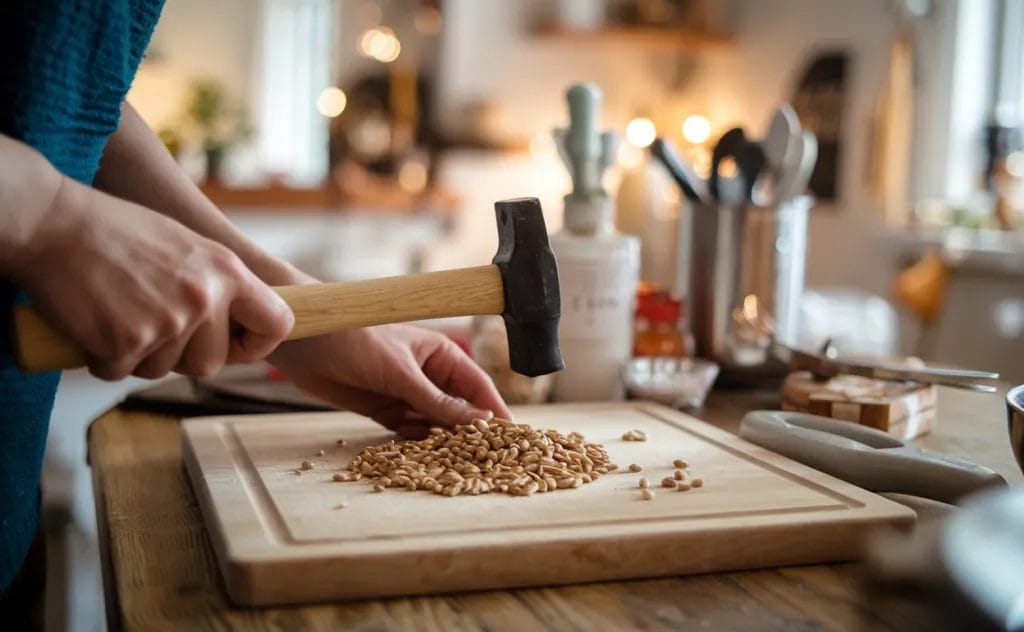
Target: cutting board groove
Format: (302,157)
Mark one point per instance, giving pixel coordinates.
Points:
(280,538)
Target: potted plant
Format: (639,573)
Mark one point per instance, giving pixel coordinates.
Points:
(217,123)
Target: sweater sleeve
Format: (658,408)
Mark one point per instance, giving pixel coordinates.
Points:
(65,68)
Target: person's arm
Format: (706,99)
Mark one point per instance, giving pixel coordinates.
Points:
(28,186)
(137,167)
(140,293)
(404,377)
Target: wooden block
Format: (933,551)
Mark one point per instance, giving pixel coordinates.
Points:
(903,410)
(283,538)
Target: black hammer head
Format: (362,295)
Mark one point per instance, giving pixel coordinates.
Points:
(530,279)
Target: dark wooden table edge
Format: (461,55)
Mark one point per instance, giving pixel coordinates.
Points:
(111,600)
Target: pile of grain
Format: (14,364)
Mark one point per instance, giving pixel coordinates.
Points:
(483,457)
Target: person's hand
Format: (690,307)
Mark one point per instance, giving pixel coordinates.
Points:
(142,294)
(404,377)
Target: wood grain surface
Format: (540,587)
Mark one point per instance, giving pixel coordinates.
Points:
(160,571)
(326,307)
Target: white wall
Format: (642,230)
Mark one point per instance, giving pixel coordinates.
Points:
(489,52)
(196,39)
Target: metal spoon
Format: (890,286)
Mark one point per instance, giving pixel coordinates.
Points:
(781,139)
(795,180)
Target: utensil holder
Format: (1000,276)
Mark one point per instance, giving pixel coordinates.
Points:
(744,280)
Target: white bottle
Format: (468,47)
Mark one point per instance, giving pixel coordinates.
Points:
(598,268)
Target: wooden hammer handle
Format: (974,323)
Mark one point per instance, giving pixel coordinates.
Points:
(319,309)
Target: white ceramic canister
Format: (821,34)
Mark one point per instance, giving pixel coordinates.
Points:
(598,272)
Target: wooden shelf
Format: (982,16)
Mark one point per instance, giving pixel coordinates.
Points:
(507,146)
(661,38)
(276,199)
(272,196)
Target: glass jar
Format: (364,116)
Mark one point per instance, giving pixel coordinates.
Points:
(657,330)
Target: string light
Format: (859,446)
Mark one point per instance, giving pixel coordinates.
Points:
(381,44)
(696,129)
(331,102)
(641,132)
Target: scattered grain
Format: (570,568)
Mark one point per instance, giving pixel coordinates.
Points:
(342,442)
(643,483)
(306,465)
(320,453)
(683,487)
(646,494)
(679,463)
(341,505)
(697,482)
(340,478)
(298,472)
(668,481)
(378,488)
(678,475)
(633,467)
(634,435)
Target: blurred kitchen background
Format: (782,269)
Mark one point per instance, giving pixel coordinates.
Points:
(364,138)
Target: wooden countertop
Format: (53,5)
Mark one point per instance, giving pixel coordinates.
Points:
(159,570)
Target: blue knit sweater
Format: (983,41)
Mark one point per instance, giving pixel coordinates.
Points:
(65,67)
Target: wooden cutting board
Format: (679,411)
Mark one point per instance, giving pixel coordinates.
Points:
(285,538)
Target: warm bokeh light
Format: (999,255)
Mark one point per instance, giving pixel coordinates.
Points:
(696,129)
(428,21)
(412,177)
(380,44)
(331,102)
(750,307)
(641,132)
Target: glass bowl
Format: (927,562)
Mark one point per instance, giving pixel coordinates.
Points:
(677,382)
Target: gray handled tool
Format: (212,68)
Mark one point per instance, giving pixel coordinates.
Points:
(866,457)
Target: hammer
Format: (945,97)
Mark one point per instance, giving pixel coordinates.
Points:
(521,285)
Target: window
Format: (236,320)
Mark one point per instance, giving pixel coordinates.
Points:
(294,66)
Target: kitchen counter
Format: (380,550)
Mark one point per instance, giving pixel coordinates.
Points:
(159,570)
